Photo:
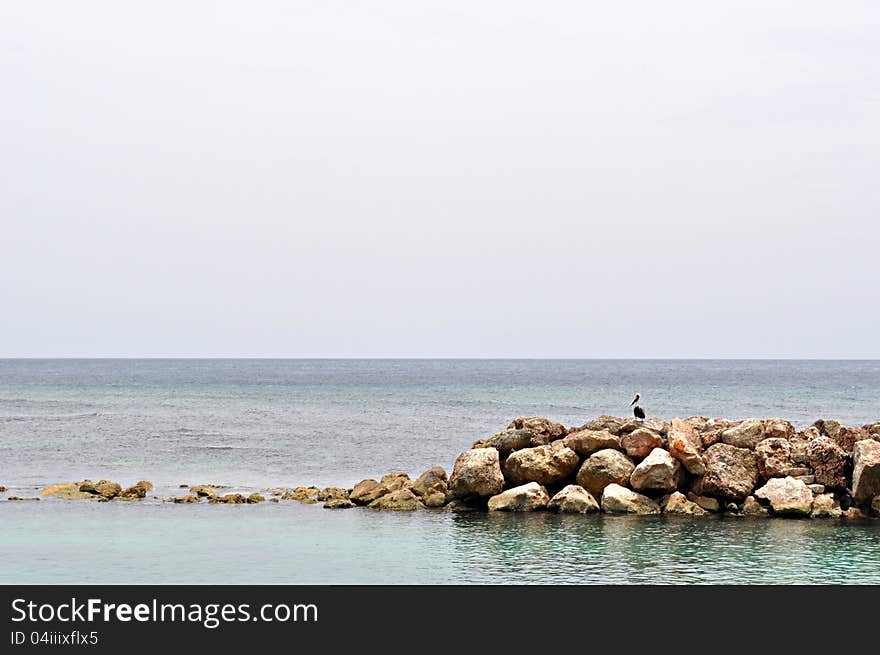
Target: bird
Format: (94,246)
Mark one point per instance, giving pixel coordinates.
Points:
(638,412)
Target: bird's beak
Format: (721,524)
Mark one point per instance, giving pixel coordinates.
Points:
(634,401)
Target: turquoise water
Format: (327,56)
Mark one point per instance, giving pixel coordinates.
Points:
(255,424)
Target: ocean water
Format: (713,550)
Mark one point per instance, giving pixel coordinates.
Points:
(253,424)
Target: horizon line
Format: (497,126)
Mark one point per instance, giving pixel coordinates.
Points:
(420,358)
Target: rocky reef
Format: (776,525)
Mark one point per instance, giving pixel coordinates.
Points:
(693,467)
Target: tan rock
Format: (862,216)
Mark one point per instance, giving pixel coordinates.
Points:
(67,491)
(401,500)
(510,440)
(677,503)
(204,490)
(604,424)
(524,498)
(332,492)
(587,442)
(433,485)
(826,506)
(710,437)
(393,481)
(787,496)
(751,507)
(603,468)
(745,435)
(573,499)
(828,461)
(477,472)
(682,448)
(255,498)
(687,431)
(338,503)
(366,491)
(543,464)
(777,428)
(620,500)
(774,458)
(866,470)
(706,502)
(640,442)
(657,472)
(731,472)
(539,425)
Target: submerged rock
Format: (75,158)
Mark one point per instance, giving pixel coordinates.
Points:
(543,464)
(338,503)
(603,468)
(182,499)
(476,472)
(573,499)
(306,495)
(787,496)
(66,491)
(659,471)
(731,472)
(866,470)
(525,498)
(19,497)
(204,490)
(255,498)
(620,500)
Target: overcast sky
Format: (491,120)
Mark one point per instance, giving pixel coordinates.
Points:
(478,179)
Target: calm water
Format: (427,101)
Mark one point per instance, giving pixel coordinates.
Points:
(253,424)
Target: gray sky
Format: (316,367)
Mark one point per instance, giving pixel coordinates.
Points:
(480,179)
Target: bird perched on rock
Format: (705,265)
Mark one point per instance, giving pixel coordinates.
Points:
(638,412)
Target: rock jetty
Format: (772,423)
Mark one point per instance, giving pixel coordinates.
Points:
(691,467)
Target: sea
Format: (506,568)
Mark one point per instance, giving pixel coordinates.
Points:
(252,424)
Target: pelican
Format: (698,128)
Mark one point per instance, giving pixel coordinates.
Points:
(638,412)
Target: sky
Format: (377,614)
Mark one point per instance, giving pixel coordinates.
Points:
(439,179)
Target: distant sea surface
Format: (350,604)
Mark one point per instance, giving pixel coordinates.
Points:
(259,423)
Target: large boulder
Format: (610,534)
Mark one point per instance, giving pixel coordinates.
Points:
(400,500)
(866,470)
(366,491)
(573,499)
(659,471)
(525,498)
(396,480)
(620,500)
(847,437)
(509,440)
(731,472)
(476,472)
(544,464)
(640,442)
(604,423)
(774,458)
(432,487)
(676,503)
(744,435)
(787,496)
(683,449)
(67,491)
(539,425)
(654,424)
(776,428)
(587,442)
(687,430)
(603,468)
(828,461)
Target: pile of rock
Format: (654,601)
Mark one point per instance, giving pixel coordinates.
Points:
(690,466)
(103,490)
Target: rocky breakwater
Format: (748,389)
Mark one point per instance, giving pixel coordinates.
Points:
(695,467)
